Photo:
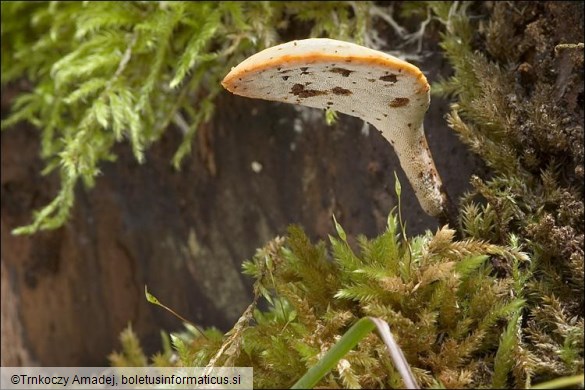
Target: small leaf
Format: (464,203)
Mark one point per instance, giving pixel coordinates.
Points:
(397,186)
(149,297)
(466,266)
(86,90)
(330,117)
(340,230)
(102,113)
(179,345)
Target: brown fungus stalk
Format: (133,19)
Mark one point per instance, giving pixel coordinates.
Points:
(389,93)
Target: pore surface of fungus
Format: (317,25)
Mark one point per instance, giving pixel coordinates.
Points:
(389,93)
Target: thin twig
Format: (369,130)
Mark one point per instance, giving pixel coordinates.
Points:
(387,17)
(418,35)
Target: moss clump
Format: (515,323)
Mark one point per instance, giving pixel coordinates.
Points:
(520,107)
(441,297)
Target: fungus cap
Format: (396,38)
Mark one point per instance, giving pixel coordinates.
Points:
(389,93)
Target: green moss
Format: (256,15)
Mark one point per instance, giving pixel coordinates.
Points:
(132,354)
(442,299)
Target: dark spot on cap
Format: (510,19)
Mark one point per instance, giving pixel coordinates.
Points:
(304,68)
(342,71)
(300,91)
(307,83)
(278,69)
(399,102)
(329,103)
(297,88)
(385,115)
(371,80)
(390,78)
(409,124)
(283,71)
(341,91)
(354,82)
(285,77)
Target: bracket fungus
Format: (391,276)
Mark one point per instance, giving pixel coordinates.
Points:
(391,94)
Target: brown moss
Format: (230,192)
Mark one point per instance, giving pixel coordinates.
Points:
(546,97)
(519,83)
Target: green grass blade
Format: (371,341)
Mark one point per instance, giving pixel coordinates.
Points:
(560,383)
(349,340)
